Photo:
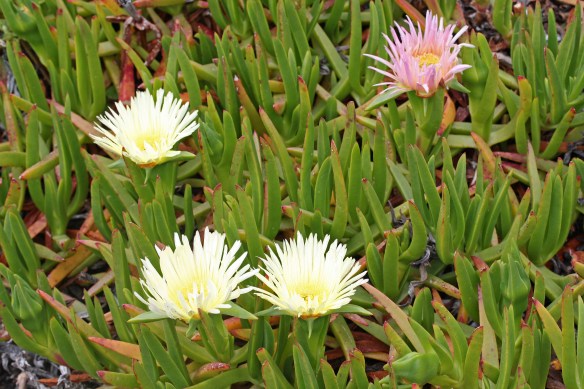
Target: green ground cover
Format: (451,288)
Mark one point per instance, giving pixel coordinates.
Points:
(353,204)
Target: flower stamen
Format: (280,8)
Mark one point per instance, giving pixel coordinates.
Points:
(427,59)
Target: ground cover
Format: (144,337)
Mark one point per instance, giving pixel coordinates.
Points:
(279,193)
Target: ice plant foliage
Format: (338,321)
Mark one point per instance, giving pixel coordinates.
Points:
(147,130)
(266,169)
(308,278)
(205,277)
(419,60)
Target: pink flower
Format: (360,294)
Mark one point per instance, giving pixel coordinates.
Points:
(421,61)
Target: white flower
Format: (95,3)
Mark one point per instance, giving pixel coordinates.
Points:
(204,278)
(146,130)
(307,280)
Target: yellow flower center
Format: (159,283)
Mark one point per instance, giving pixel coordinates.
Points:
(149,137)
(310,291)
(427,59)
(184,290)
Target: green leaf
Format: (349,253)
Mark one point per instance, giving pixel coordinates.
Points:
(272,311)
(470,375)
(568,354)
(17,334)
(322,188)
(252,236)
(341,210)
(559,134)
(400,180)
(416,367)
(424,186)
(303,372)
(537,241)
(375,207)
(272,202)
(224,380)
(24,243)
(328,375)
(355,46)
(237,311)
(475,220)
(84,354)
(358,375)
(123,380)
(507,349)
(170,366)
(527,350)
(490,302)
(569,202)
(352,308)
(422,311)
(282,154)
(398,315)
(467,280)
(273,376)
(258,20)
(551,327)
(119,318)
(393,270)
(147,317)
(64,345)
(580,337)
(12,159)
(457,336)
(374,266)
(289,75)
(557,90)
(444,244)
(383,98)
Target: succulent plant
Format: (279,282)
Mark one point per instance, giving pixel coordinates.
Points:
(440,216)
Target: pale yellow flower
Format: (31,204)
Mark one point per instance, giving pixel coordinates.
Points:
(206,277)
(308,278)
(146,130)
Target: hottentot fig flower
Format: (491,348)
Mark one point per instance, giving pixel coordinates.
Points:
(421,61)
(308,278)
(146,130)
(204,278)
